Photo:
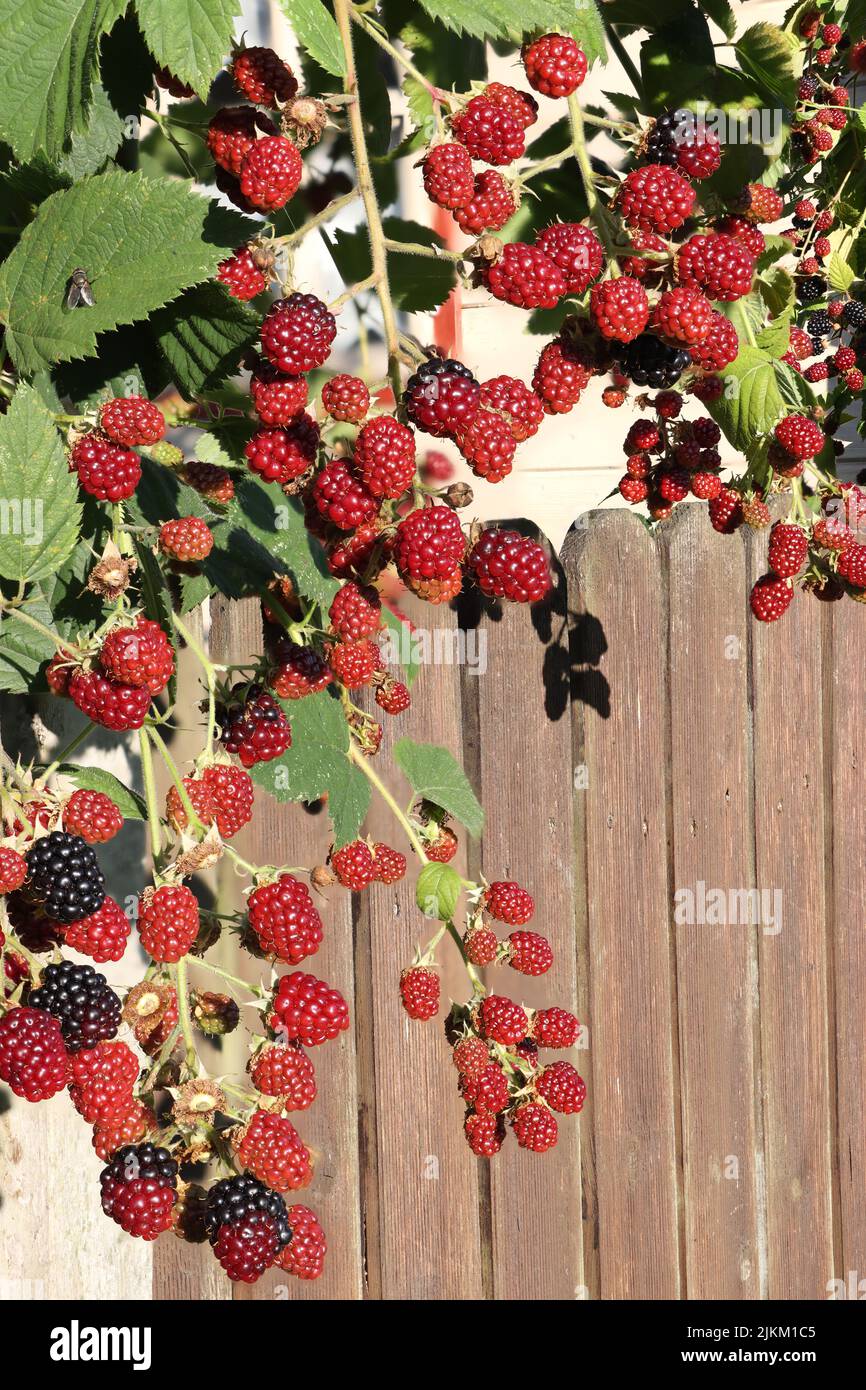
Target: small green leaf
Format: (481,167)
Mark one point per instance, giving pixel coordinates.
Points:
(190,38)
(775,338)
(316,31)
(771,57)
(96,779)
(40,514)
(839,273)
(437,891)
(22,649)
(436,776)
(776,288)
(752,401)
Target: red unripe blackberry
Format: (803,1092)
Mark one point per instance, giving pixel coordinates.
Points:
(488,445)
(441,396)
(503,1021)
(102,936)
(346,398)
(271,1149)
(844,358)
(355,612)
(284,918)
(168,922)
(263,78)
(535,1127)
(576,250)
(101,1081)
(389,863)
(231,792)
(64,877)
(487,1090)
(705,485)
(639,466)
(139,655)
(354,865)
(339,495)
(308,1011)
(684,315)
(106,702)
(385,456)
(522,106)
(200,798)
(526,277)
(81,1000)
(673,484)
(210,481)
(271,172)
(352,554)
(555,65)
(530,954)
(304,1256)
(510,396)
(277,399)
(297,333)
(419,992)
(852,565)
(854,379)
(508,565)
(131,420)
(485,1133)
(280,454)
(256,730)
(241,275)
(248,1226)
(443,849)
(655,198)
(720,347)
(800,437)
(393,697)
(470,1056)
(642,435)
(300,671)
(128,1127)
(634,490)
(232,133)
(139,1190)
(508,902)
(560,376)
(481,945)
(788,550)
(743,231)
(619,308)
(699,153)
(105,470)
(491,205)
(489,132)
(770,598)
(429,543)
(286,1072)
(831,34)
(33,1059)
(448,177)
(13,869)
(354,663)
(555,1028)
(562,1088)
(719,265)
(187,539)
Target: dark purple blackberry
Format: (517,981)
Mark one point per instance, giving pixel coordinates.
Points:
(666,135)
(854,314)
(811,289)
(647,361)
(64,876)
(237,1199)
(819,325)
(817,346)
(139,1189)
(801,223)
(81,1000)
(255,729)
(441,397)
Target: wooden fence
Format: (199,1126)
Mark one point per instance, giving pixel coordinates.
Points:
(644,752)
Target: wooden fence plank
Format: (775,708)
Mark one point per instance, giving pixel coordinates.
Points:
(716,960)
(527,793)
(614,576)
(788,661)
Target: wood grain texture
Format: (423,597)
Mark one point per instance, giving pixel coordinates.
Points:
(716,952)
(615,583)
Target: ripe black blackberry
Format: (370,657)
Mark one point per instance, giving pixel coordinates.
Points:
(647,361)
(817,346)
(81,1000)
(854,314)
(64,876)
(811,289)
(237,1199)
(819,325)
(661,142)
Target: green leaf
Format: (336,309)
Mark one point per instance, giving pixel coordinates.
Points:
(720,12)
(775,338)
(189,37)
(49,61)
(203,335)
(316,31)
(436,776)
(22,649)
(274,524)
(437,891)
(839,273)
(141,241)
(752,401)
(96,779)
(418,283)
(40,515)
(94,146)
(771,57)
(776,288)
(499,19)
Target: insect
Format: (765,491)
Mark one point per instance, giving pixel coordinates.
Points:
(80,289)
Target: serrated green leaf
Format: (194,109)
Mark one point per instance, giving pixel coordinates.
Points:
(91,148)
(839,273)
(776,288)
(202,336)
(775,338)
(437,891)
(189,37)
(435,775)
(316,31)
(720,12)
(22,649)
(752,401)
(418,283)
(771,58)
(499,19)
(274,524)
(141,241)
(48,64)
(96,779)
(40,514)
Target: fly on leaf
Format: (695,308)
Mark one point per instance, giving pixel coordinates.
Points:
(80,289)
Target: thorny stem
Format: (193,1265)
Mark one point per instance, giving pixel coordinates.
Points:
(209,674)
(65,753)
(336,205)
(417,248)
(475,979)
(352,292)
(399,58)
(180,984)
(619,49)
(597,211)
(343,15)
(153,820)
(364,764)
(182,792)
(232,979)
